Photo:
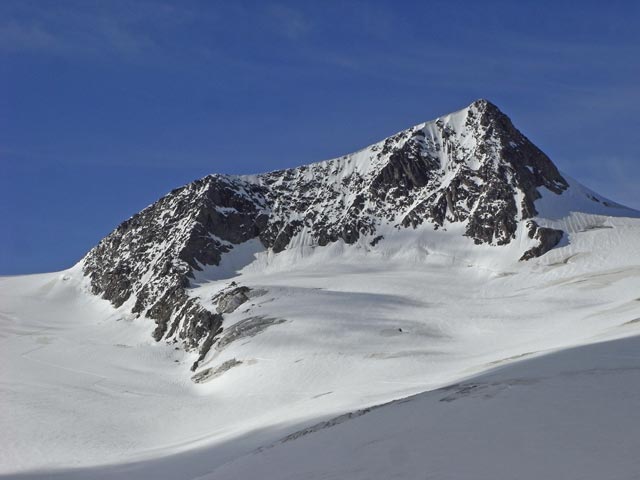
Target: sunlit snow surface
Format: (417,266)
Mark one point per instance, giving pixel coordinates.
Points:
(86,393)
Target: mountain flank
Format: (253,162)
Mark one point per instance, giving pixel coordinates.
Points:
(471,168)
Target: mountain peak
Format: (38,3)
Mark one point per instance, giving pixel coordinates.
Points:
(491,115)
(470,172)
(482,104)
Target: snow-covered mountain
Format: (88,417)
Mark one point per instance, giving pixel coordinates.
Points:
(471,171)
(390,313)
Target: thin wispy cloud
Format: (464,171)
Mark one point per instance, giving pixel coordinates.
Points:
(77,29)
(288,21)
(18,37)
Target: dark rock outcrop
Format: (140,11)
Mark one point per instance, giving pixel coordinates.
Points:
(547,239)
(228,300)
(249,327)
(208,374)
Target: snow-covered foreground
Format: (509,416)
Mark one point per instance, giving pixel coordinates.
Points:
(86,392)
(569,415)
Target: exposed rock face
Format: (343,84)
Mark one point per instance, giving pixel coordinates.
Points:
(148,260)
(249,327)
(211,373)
(472,167)
(230,299)
(547,239)
(490,165)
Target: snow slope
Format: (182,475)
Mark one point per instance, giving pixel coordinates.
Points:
(84,386)
(570,415)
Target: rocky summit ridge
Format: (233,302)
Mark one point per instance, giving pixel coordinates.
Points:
(471,168)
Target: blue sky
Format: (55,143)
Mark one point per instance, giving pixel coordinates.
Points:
(106,106)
